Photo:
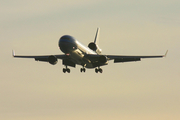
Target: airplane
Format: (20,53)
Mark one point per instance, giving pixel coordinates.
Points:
(76,53)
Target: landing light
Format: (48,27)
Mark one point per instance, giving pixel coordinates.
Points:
(67,54)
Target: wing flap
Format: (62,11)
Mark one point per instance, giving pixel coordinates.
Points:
(131,58)
(43,59)
(126,59)
(119,57)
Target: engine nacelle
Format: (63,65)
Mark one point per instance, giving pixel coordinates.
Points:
(94,47)
(102,59)
(52,60)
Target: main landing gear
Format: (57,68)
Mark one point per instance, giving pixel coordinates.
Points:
(66,70)
(98,70)
(83,69)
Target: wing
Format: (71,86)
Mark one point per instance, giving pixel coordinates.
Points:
(40,57)
(117,58)
(131,58)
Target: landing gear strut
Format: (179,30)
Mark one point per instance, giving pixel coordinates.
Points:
(83,69)
(66,70)
(98,70)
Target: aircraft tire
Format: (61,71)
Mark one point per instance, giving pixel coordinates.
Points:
(83,70)
(68,70)
(96,70)
(64,70)
(100,70)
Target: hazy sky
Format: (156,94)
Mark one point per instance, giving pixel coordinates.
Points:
(146,90)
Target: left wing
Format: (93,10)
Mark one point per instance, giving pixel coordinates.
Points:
(131,58)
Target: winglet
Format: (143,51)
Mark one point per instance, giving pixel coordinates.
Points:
(13,53)
(165,54)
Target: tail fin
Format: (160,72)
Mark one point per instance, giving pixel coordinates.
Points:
(96,40)
(94,45)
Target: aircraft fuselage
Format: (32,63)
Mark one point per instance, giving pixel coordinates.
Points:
(76,51)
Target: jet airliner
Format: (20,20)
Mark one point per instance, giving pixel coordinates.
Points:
(76,53)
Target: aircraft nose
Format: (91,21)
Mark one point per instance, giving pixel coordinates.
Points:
(67,39)
(67,43)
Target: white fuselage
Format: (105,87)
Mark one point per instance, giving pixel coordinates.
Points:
(76,51)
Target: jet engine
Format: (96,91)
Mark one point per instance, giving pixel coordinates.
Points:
(52,60)
(94,47)
(102,59)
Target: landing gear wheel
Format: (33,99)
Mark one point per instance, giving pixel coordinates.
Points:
(64,70)
(98,70)
(68,70)
(83,70)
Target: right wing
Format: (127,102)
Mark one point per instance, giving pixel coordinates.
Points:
(40,57)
